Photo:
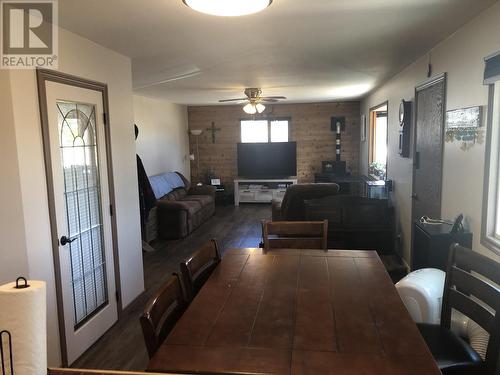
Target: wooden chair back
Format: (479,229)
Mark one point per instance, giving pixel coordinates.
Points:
(472,287)
(295,234)
(75,371)
(198,268)
(161,313)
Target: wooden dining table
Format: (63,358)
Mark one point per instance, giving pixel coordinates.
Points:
(296,312)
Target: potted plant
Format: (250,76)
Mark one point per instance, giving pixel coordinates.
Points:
(377,170)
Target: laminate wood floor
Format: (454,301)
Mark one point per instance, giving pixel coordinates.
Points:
(122,347)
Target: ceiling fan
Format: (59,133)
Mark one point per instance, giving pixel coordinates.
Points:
(255,100)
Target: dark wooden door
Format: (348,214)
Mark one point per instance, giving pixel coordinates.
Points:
(428,156)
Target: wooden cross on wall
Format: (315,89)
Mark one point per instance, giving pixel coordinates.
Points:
(214,130)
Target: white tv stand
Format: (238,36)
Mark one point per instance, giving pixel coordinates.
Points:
(260,191)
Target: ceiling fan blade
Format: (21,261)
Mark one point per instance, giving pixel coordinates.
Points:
(232,100)
(273,97)
(269,100)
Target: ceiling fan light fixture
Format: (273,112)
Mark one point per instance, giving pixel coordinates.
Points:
(228,8)
(260,107)
(250,109)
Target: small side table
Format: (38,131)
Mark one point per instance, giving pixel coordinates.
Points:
(222,196)
(431,244)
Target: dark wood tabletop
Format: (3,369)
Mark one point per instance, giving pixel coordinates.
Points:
(296,312)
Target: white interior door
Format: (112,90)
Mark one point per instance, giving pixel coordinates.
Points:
(81,194)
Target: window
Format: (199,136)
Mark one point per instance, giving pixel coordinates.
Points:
(279,131)
(378,142)
(254,131)
(263,131)
(380,139)
(490,231)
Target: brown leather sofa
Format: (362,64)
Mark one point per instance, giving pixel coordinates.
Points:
(355,222)
(291,208)
(181,211)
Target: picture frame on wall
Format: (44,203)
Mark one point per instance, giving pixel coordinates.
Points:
(363,128)
(464,125)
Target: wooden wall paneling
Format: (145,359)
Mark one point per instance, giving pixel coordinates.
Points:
(309,127)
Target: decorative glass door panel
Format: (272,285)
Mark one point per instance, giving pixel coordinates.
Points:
(79,158)
(81,224)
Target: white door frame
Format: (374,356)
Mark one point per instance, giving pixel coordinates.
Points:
(44,76)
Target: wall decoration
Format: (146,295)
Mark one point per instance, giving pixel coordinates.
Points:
(315,144)
(405,122)
(363,128)
(464,125)
(337,125)
(214,130)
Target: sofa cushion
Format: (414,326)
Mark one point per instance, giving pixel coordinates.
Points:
(187,183)
(292,207)
(192,207)
(177,194)
(202,190)
(202,199)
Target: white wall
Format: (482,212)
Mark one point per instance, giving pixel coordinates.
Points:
(80,57)
(13,257)
(461,56)
(163,142)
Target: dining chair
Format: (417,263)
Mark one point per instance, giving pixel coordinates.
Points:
(295,234)
(471,287)
(198,268)
(161,313)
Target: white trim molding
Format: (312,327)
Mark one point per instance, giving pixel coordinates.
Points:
(491,207)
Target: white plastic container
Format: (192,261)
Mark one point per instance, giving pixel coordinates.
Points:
(422,294)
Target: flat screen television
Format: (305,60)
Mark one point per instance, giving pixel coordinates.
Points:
(267,160)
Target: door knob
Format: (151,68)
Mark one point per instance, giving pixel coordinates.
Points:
(65,240)
(414,196)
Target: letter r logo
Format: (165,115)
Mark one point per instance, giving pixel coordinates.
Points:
(27,28)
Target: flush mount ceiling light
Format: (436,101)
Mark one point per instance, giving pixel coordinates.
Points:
(228,8)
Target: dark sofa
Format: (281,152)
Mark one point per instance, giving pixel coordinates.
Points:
(181,210)
(355,222)
(291,208)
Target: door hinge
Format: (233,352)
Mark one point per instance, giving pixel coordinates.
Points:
(104,118)
(117,295)
(416,162)
(111,210)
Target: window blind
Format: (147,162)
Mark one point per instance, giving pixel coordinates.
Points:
(492,69)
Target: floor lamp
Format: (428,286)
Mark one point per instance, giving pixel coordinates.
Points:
(197,133)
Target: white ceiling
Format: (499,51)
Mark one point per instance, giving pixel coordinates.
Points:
(307,50)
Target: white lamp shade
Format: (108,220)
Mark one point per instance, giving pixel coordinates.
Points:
(196,131)
(260,107)
(229,8)
(250,109)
